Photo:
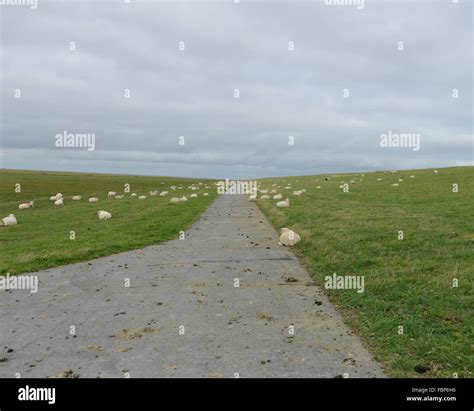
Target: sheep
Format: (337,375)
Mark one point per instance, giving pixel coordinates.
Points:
(400,179)
(8,220)
(141,197)
(265,197)
(25,206)
(253,197)
(194,195)
(58,196)
(112,194)
(318,186)
(277,196)
(104,215)
(119,196)
(205,194)
(53,198)
(288,237)
(412,176)
(76,198)
(175,200)
(297,193)
(133,195)
(395,185)
(285,203)
(183,199)
(379,179)
(163,193)
(154,193)
(59,202)
(435,171)
(93,200)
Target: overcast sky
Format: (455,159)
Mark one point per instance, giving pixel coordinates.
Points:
(229,46)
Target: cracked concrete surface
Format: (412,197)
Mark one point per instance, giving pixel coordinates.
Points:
(182,315)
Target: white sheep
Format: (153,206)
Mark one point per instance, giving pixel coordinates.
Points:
(60,201)
(435,171)
(25,206)
(111,194)
(175,200)
(58,196)
(76,198)
(93,200)
(205,194)
(265,197)
(154,193)
(183,199)
(284,203)
(119,196)
(318,187)
(163,193)
(277,196)
(288,237)
(141,197)
(412,176)
(104,215)
(8,220)
(194,195)
(395,185)
(297,193)
(53,198)
(253,197)
(133,195)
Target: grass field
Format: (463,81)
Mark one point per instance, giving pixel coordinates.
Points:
(42,237)
(408,282)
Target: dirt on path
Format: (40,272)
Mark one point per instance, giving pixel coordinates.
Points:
(226,301)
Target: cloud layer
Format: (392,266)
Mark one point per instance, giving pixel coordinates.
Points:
(227,46)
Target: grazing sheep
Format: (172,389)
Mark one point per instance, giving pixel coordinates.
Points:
(205,194)
(253,197)
(318,186)
(412,176)
(93,200)
(119,196)
(264,191)
(288,237)
(435,171)
(265,197)
(277,196)
(175,200)
(395,185)
(53,198)
(379,179)
(400,179)
(8,220)
(285,203)
(163,193)
(59,202)
(183,199)
(112,194)
(141,197)
(25,206)
(133,195)
(104,215)
(154,193)
(297,193)
(194,195)
(58,196)
(76,198)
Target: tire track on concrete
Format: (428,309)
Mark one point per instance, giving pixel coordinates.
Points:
(182,315)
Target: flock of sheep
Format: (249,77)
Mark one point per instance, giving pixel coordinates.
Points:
(58,200)
(287,236)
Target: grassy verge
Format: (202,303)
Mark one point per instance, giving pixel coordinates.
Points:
(408,282)
(42,237)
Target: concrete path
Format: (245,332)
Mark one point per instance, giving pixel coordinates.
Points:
(189,283)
